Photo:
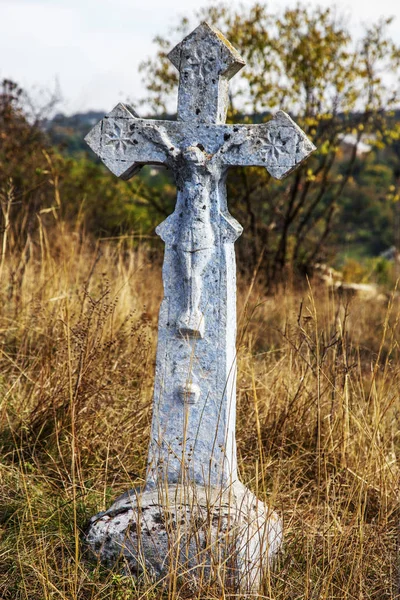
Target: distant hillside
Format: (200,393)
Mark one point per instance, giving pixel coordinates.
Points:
(69,131)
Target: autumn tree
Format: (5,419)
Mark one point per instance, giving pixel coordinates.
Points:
(41,186)
(306,62)
(21,144)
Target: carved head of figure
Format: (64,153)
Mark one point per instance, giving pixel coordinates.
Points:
(195,155)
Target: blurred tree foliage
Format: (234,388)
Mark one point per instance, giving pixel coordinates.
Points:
(21,143)
(39,184)
(304,61)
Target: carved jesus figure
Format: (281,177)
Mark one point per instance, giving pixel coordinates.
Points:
(189,228)
(191,232)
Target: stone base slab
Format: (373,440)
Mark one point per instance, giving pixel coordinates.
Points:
(203,536)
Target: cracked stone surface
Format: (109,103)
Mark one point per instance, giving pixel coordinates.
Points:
(194,403)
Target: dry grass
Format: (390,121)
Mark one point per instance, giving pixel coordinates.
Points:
(318,421)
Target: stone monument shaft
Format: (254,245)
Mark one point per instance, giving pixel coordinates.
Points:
(193,427)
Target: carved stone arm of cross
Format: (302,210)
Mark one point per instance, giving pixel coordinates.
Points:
(125,143)
(278,145)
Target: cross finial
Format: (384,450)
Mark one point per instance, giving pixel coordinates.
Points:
(205,61)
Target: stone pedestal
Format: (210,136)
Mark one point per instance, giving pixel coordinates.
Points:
(198,534)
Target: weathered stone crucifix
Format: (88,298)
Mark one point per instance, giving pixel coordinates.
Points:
(193,426)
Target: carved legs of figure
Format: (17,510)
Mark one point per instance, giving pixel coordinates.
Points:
(193,263)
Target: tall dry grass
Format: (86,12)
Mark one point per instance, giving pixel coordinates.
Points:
(318,421)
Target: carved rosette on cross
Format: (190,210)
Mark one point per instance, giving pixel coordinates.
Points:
(192,450)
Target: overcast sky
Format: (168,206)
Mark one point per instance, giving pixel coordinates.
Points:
(93,47)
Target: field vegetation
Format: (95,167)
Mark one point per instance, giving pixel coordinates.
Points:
(318,423)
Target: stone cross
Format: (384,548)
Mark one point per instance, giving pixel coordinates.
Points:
(194,410)
(193,428)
